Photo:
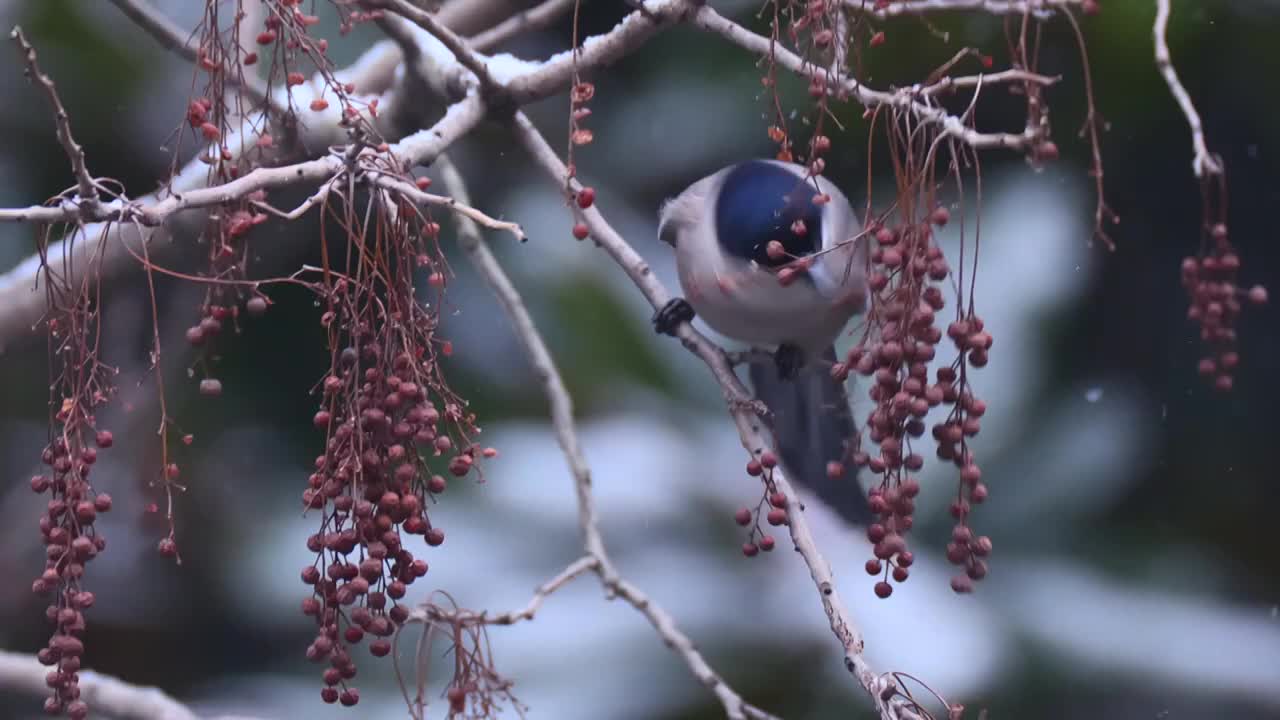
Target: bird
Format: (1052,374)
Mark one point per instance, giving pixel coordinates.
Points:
(770,254)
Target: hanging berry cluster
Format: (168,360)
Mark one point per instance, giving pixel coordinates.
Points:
(776,502)
(388,419)
(1216,302)
(907,272)
(79,384)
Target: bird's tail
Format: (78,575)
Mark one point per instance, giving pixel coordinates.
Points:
(812,422)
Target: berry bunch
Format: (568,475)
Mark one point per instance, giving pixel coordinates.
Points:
(907,272)
(1216,302)
(776,501)
(78,385)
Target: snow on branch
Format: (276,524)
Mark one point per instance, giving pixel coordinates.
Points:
(108,695)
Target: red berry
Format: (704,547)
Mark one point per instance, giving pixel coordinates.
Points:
(168,547)
(586,197)
(580,231)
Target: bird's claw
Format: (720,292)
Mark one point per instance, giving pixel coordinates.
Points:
(670,316)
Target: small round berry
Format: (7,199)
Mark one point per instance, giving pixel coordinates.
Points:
(777,516)
(768,543)
(961,584)
(742,517)
(167,547)
(581,231)
(873,567)
(210,387)
(883,589)
(750,549)
(586,197)
(105,439)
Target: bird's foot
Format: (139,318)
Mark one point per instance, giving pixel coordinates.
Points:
(788,359)
(671,315)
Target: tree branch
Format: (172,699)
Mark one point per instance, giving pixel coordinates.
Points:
(1203,162)
(86,187)
(534,18)
(106,694)
(995,7)
(741,409)
(597,557)
(707,19)
(22,308)
(173,39)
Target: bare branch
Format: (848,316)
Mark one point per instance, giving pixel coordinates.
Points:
(741,409)
(1040,8)
(710,20)
(467,57)
(108,695)
(534,18)
(1012,75)
(22,308)
(584,564)
(87,188)
(597,557)
(172,38)
(390,182)
(1203,162)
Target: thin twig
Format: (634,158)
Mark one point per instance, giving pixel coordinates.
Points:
(597,557)
(20,308)
(173,39)
(1038,8)
(88,189)
(534,18)
(1203,162)
(584,564)
(710,20)
(467,57)
(740,409)
(391,182)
